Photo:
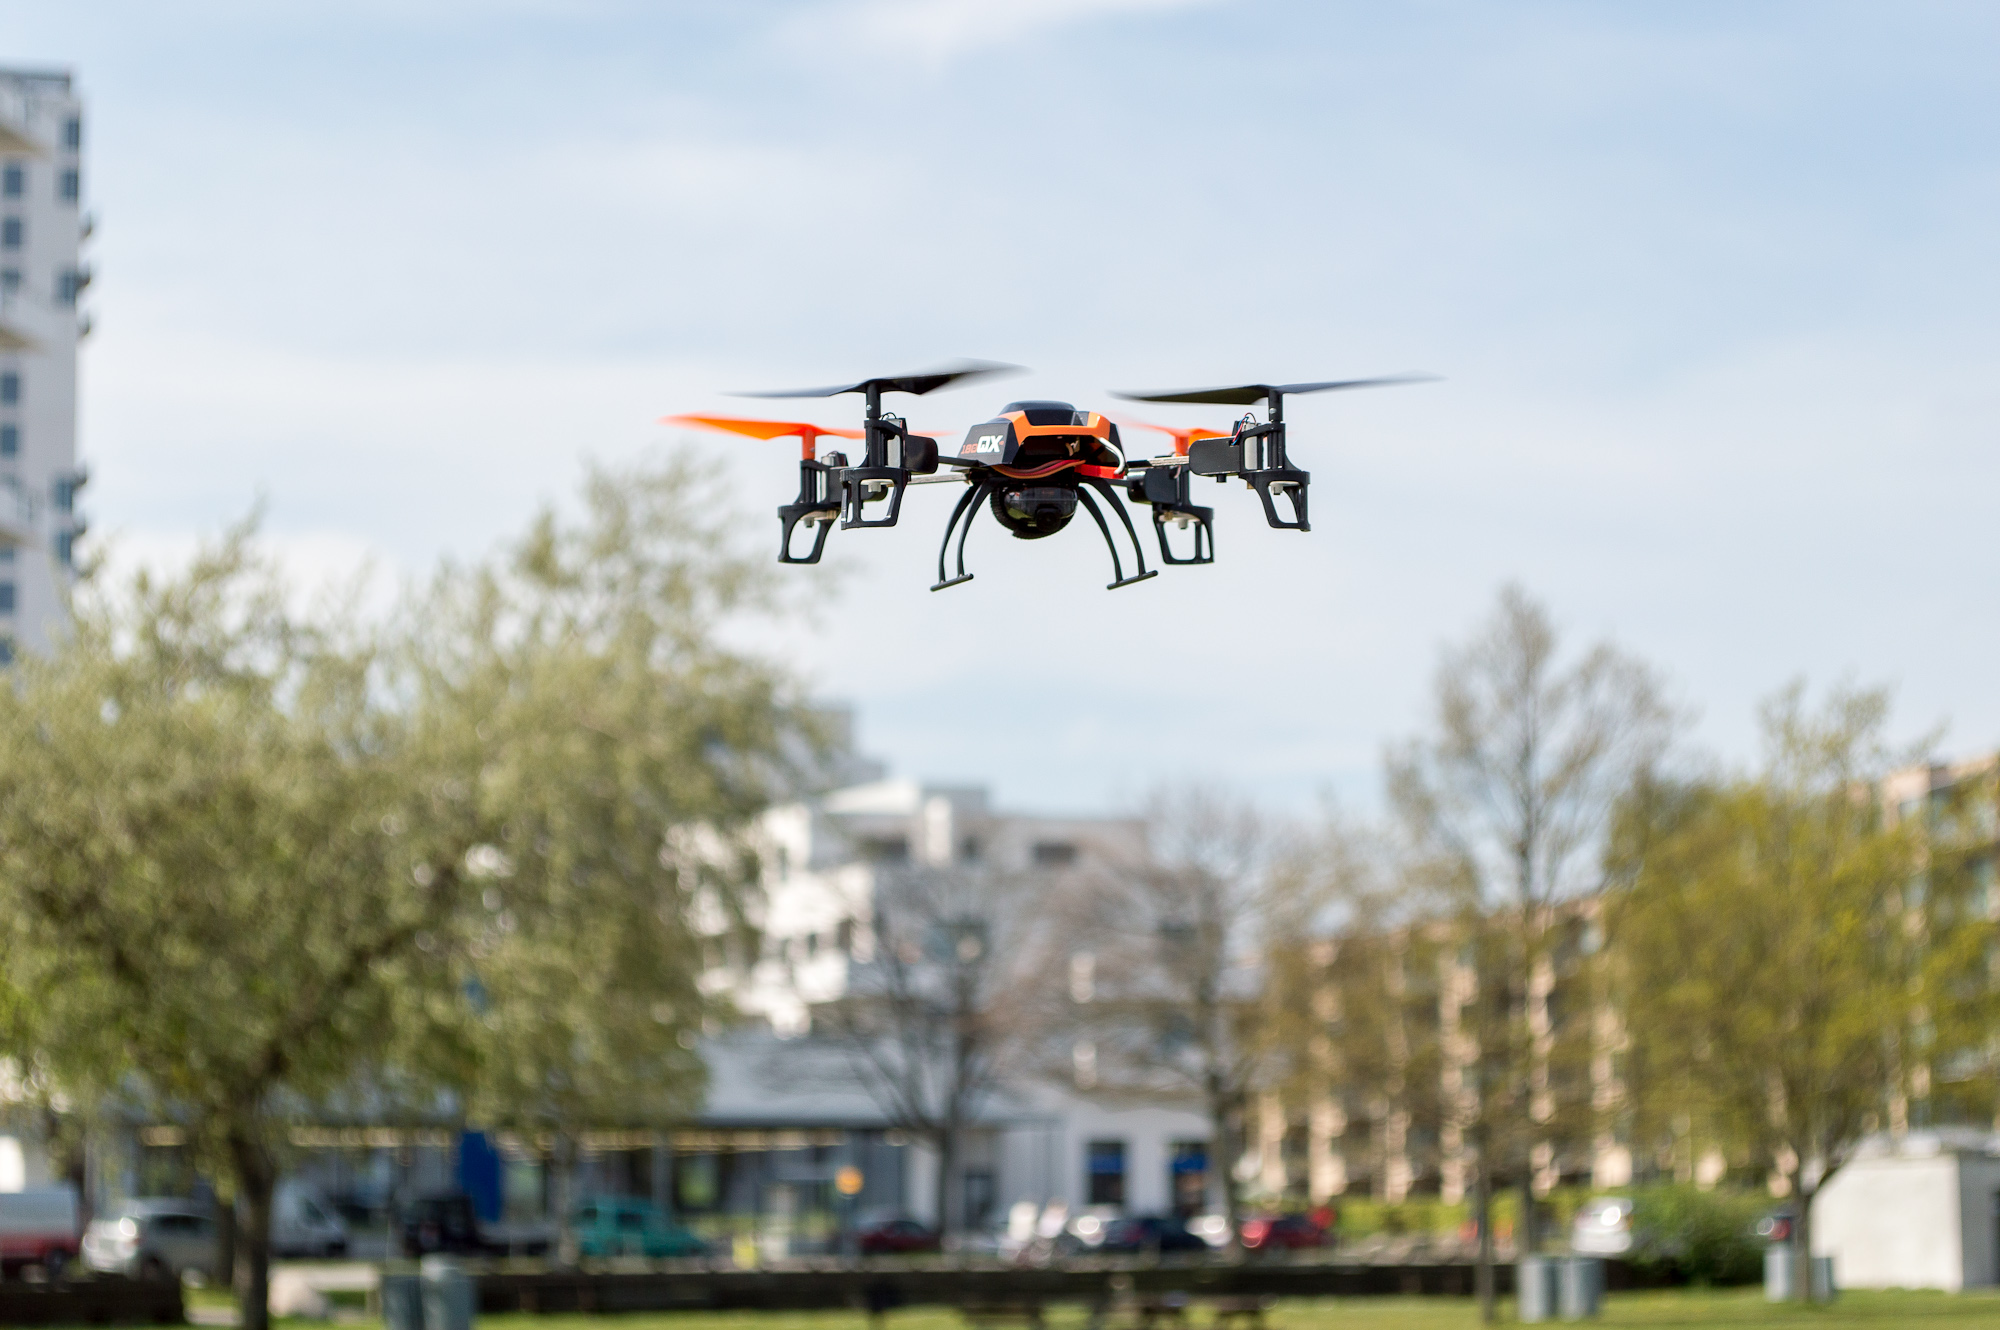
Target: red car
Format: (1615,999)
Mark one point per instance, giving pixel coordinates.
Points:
(1272,1232)
(895,1237)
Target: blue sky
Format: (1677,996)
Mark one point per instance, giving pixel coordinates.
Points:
(1713,288)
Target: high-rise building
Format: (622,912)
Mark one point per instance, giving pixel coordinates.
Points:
(42,277)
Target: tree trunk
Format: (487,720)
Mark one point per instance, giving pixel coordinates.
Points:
(1482,1215)
(1802,1235)
(562,1170)
(1227,1148)
(224,1273)
(256,1179)
(947,1143)
(1524,1227)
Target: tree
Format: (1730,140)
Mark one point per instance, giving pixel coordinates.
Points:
(1503,803)
(618,753)
(1788,950)
(937,1018)
(223,867)
(1174,944)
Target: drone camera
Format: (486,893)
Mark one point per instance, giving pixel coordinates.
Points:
(1034,511)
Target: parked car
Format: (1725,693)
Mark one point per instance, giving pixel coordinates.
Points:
(896,1237)
(1603,1227)
(38,1229)
(446,1223)
(303,1224)
(1281,1232)
(152,1238)
(625,1226)
(1146,1233)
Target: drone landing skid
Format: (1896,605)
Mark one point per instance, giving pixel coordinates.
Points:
(968,508)
(816,506)
(967,511)
(1139,554)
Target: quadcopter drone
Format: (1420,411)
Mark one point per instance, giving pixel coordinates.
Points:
(1034,465)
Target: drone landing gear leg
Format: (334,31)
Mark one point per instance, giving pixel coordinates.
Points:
(968,509)
(1117,569)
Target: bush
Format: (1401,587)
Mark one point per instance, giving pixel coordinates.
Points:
(1704,1237)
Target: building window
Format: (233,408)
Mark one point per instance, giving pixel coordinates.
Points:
(970,849)
(979,1198)
(13,181)
(10,440)
(1105,1183)
(10,281)
(73,133)
(10,389)
(1054,854)
(70,186)
(66,548)
(6,651)
(6,597)
(63,491)
(886,849)
(10,233)
(1188,1173)
(68,283)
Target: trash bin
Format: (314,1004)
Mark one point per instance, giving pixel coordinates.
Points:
(1781,1275)
(1535,1288)
(448,1295)
(1580,1287)
(1823,1287)
(402,1302)
(1780,1272)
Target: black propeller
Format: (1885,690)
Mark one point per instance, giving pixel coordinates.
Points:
(918,384)
(1249,394)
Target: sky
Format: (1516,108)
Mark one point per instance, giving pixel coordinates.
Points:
(1712,289)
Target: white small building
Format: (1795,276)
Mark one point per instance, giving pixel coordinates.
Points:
(1922,1211)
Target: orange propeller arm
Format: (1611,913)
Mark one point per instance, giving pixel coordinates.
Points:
(1182,437)
(764,429)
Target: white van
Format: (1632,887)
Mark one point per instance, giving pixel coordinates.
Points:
(303,1224)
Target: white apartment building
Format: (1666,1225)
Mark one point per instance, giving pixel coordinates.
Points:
(42,277)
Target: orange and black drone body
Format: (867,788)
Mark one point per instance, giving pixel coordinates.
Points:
(1034,464)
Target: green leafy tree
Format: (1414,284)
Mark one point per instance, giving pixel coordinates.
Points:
(617,753)
(1784,955)
(222,870)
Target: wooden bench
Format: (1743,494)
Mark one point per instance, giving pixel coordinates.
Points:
(1003,1313)
(1246,1310)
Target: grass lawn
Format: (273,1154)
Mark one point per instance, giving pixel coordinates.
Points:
(1717,1310)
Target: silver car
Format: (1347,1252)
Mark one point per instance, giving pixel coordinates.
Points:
(152,1239)
(1603,1227)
